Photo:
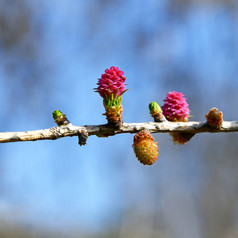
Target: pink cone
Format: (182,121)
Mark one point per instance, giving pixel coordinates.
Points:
(175,107)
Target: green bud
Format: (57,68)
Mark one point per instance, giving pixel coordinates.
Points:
(156,112)
(155,108)
(57,114)
(60,118)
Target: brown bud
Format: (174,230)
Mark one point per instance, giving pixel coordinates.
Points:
(181,137)
(214,118)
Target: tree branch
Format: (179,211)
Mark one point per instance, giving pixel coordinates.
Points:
(104,131)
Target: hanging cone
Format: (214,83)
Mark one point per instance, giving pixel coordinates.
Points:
(146,150)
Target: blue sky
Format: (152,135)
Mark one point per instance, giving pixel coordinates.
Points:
(60,184)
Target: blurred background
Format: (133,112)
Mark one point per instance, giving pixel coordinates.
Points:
(52,53)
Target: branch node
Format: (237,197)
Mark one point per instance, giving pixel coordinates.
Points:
(55,133)
(82,136)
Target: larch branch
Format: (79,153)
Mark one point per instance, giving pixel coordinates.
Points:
(104,131)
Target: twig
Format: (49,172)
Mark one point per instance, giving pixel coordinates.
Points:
(104,131)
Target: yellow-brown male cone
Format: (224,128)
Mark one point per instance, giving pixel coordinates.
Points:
(146,150)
